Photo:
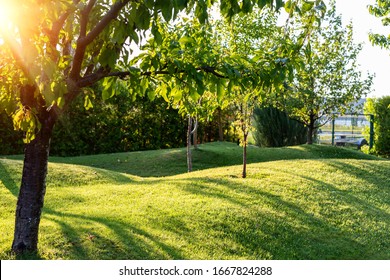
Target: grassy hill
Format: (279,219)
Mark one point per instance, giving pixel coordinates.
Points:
(305,202)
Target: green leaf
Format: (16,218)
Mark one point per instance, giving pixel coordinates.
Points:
(162,90)
(230,86)
(185,40)
(87,103)
(143,18)
(108,88)
(166,11)
(144,85)
(220,90)
(263,3)
(279,4)
(177,94)
(246,6)
(180,4)
(151,94)
(307,6)
(201,11)
(108,57)
(287,6)
(156,34)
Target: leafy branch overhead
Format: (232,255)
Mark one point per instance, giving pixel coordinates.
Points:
(68,45)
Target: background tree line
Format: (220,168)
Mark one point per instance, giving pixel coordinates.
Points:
(120,125)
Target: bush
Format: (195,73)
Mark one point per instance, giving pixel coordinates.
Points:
(119,124)
(273,128)
(380,108)
(10,140)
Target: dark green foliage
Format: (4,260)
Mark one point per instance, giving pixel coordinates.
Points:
(380,108)
(10,141)
(219,127)
(117,125)
(273,128)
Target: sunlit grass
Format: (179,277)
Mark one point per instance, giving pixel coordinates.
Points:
(300,202)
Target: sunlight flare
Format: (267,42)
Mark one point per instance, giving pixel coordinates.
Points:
(8,12)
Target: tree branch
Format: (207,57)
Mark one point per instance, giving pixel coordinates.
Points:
(55,31)
(102,73)
(111,14)
(81,47)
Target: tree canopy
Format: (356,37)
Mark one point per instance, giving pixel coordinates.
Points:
(381,9)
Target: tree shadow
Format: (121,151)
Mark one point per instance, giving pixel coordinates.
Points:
(172,162)
(275,228)
(8,181)
(127,241)
(294,233)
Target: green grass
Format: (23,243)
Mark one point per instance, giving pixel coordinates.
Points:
(304,202)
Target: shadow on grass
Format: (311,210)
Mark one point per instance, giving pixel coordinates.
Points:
(294,233)
(161,163)
(8,181)
(126,241)
(256,224)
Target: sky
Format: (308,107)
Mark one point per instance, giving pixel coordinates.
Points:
(372,58)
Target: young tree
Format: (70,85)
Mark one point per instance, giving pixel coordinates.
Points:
(328,82)
(51,51)
(186,71)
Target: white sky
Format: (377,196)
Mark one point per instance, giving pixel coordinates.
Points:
(372,59)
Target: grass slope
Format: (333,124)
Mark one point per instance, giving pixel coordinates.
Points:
(305,202)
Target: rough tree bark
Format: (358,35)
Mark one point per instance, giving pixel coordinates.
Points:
(33,187)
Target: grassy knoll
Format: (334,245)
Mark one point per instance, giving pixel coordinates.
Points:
(305,202)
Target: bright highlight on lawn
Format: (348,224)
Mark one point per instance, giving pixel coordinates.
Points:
(305,202)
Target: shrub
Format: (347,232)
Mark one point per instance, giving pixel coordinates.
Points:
(380,108)
(118,125)
(10,140)
(273,128)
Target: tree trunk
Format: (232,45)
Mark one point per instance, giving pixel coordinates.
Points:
(195,138)
(189,155)
(310,130)
(220,125)
(33,188)
(244,156)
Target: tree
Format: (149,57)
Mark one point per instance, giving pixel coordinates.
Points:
(328,82)
(52,51)
(185,73)
(264,58)
(247,43)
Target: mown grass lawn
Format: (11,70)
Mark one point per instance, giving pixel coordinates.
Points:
(304,202)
